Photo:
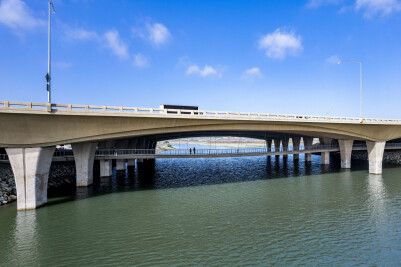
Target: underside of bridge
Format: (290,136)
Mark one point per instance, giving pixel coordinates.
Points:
(31,137)
(31,165)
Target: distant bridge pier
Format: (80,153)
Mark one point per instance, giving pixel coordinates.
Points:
(345,152)
(84,154)
(106,168)
(120,164)
(285,142)
(296,142)
(31,168)
(130,163)
(308,141)
(325,155)
(375,152)
(268,145)
(276,144)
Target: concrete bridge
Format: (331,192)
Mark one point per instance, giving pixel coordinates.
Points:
(30,133)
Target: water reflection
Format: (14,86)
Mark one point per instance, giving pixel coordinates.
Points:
(377,199)
(26,239)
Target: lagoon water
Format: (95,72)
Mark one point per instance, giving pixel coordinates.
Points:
(214,212)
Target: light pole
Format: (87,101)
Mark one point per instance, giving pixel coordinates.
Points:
(48,75)
(360,83)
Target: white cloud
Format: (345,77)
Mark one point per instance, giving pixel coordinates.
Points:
(80,34)
(16,14)
(334,59)
(251,74)
(117,46)
(140,61)
(378,7)
(207,71)
(158,33)
(281,43)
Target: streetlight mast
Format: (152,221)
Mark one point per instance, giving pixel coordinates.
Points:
(360,83)
(48,75)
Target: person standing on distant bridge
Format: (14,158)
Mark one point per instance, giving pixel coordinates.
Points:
(194,151)
(190,151)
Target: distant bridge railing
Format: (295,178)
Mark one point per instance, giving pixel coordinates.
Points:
(9,105)
(211,151)
(67,153)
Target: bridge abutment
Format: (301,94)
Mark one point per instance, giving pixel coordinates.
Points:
(375,153)
(31,168)
(106,168)
(345,152)
(84,154)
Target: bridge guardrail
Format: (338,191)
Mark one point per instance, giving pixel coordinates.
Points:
(193,113)
(231,151)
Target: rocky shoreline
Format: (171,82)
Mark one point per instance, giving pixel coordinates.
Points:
(392,157)
(62,174)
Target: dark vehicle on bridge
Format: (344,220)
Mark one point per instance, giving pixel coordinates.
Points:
(180,107)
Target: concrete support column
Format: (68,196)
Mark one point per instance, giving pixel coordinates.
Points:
(325,156)
(269,145)
(84,155)
(277,144)
(106,168)
(296,142)
(130,162)
(308,141)
(31,168)
(346,151)
(285,142)
(375,152)
(120,164)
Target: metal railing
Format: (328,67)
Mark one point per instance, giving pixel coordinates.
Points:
(9,105)
(226,151)
(67,153)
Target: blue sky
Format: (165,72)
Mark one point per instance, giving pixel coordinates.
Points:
(258,56)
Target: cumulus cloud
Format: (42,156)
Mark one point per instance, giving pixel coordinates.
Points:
(80,34)
(140,61)
(16,15)
(156,33)
(118,47)
(251,74)
(280,43)
(207,71)
(378,7)
(334,59)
